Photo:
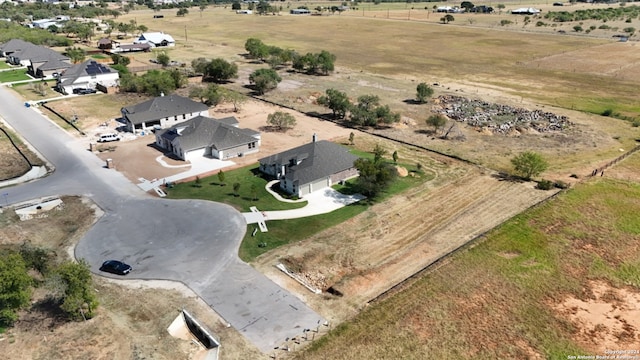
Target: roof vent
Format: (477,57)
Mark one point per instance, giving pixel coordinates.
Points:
(315,137)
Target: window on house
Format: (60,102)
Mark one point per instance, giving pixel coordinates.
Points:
(184,116)
(252,145)
(175,118)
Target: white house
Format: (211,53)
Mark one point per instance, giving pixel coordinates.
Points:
(89,74)
(156,39)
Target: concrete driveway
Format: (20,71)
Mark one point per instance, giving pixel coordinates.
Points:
(194,242)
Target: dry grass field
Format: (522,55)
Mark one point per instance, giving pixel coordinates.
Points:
(499,299)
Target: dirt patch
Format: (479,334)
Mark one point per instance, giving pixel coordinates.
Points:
(609,319)
(136,158)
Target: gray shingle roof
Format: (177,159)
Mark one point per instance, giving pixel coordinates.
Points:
(312,161)
(202,131)
(55,65)
(162,107)
(76,71)
(14,45)
(38,54)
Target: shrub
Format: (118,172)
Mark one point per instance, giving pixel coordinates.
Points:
(545,184)
(607,112)
(635,123)
(505,22)
(561,184)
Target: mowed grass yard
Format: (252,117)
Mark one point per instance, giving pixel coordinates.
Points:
(495,300)
(503,58)
(13,75)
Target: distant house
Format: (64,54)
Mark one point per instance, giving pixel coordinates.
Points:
(526,11)
(89,74)
(204,136)
(156,39)
(245,12)
(122,48)
(13,45)
(310,167)
(300,11)
(106,43)
(40,61)
(162,112)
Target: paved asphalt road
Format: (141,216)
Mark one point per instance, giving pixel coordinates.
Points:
(194,242)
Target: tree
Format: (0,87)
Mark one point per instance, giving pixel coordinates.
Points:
(15,287)
(78,298)
(467,5)
(424,92)
(500,8)
(337,101)
(163,58)
(236,5)
(256,48)
(437,121)
(378,153)
(182,12)
(447,19)
(76,54)
(120,60)
(236,189)
(395,157)
(326,62)
(221,177)
(199,65)
(220,70)
(210,95)
(281,120)
(234,97)
(529,164)
(375,176)
(352,137)
(264,80)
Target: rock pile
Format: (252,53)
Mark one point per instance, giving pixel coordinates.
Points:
(502,119)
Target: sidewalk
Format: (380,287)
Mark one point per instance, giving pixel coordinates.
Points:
(34,173)
(199,165)
(318,202)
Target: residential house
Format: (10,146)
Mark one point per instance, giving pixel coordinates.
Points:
(300,11)
(310,167)
(106,43)
(130,48)
(162,112)
(89,74)
(12,46)
(39,60)
(526,11)
(156,39)
(204,136)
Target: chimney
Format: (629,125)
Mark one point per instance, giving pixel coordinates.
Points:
(315,137)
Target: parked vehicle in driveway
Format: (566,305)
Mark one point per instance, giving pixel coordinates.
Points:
(109,137)
(84,91)
(115,267)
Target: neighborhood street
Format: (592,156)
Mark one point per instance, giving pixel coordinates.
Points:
(191,241)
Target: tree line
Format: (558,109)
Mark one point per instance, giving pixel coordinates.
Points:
(321,63)
(68,285)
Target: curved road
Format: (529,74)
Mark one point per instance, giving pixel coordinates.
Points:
(191,241)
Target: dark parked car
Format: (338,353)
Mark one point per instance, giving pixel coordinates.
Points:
(115,267)
(558,4)
(84,91)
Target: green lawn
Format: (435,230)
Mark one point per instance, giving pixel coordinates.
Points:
(248,178)
(283,231)
(495,300)
(13,75)
(4,65)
